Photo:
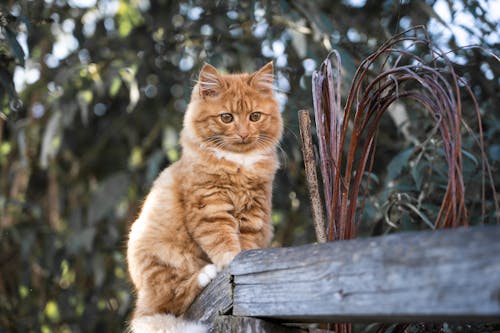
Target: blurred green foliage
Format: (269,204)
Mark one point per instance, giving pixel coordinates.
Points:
(92,95)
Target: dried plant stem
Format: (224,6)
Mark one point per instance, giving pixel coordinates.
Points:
(311,175)
(347,136)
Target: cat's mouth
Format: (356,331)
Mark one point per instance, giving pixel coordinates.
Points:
(242,145)
(238,144)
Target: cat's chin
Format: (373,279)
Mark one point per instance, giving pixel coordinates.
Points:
(247,147)
(238,149)
(243,148)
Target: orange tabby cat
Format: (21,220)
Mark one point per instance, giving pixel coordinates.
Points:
(212,203)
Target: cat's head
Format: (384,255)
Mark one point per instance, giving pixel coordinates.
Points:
(235,113)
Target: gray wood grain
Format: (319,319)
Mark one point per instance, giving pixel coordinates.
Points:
(214,300)
(232,324)
(424,276)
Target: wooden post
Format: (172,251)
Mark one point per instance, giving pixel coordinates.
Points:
(215,300)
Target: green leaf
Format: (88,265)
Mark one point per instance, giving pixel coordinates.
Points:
(68,275)
(115,86)
(52,311)
(14,44)
(136,158)
(417,174)
(84,98)
(23,291)
(397,164)
(128,75)
(170,143)
(128,17)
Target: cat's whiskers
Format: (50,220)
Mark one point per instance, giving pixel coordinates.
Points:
(213,141)
(267,139)
(262,143)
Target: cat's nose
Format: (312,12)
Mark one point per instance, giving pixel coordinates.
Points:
(244,135)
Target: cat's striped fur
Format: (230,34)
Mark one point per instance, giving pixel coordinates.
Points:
(212,203)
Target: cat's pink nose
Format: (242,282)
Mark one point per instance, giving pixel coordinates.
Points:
(244,135)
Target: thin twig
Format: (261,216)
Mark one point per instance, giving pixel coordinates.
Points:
(311,175)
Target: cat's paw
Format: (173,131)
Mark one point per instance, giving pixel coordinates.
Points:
(206,274)
(224,260)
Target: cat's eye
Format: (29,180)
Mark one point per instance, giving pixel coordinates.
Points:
(226,118)
(255,116)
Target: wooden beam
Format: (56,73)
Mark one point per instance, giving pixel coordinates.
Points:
(421,276)
(224,324)
(214,304)
(233,324)
(215,300)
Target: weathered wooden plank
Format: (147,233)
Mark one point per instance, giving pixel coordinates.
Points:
(234,324)
(225,324)
(424,276)
(214,300)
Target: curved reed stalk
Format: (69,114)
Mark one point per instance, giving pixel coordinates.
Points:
(347,136)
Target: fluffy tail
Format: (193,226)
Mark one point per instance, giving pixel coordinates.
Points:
(165,323)
(168,323)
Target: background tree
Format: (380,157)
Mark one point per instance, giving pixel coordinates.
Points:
(92,94)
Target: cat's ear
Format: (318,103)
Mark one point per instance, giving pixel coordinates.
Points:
(209,81)
(263,79)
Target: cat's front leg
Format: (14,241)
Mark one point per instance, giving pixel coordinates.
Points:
(215,230)
(255,230)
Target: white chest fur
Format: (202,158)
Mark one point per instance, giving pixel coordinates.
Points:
(245,160)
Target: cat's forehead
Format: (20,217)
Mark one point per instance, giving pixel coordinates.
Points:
(234,93)
(237,82)
(239,103)
(239,92)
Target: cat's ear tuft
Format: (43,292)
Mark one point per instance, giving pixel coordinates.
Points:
(263,79)
(209,81)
